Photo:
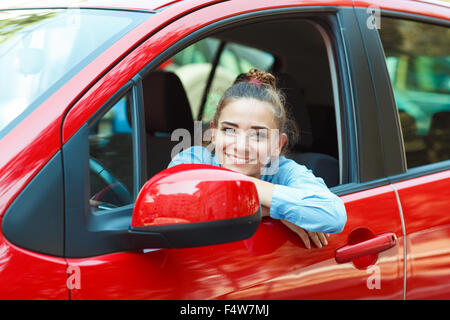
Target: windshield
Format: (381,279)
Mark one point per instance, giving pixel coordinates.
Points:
(40,50)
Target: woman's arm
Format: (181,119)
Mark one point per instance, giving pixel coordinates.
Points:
(265,190)
(304,199)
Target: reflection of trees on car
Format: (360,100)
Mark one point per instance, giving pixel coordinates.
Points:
(9,27)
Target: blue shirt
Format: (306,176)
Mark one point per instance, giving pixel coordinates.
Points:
(298,196)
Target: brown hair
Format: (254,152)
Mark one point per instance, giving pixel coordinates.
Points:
(261,85)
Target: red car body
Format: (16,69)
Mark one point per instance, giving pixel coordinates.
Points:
(272,264)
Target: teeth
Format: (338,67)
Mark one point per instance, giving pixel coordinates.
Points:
(237,159)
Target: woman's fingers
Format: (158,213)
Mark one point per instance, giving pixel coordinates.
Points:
(299,231)
(315,238)
(304,236)
(318,238)
(323,238)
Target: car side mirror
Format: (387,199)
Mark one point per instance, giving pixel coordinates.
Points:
(191,205)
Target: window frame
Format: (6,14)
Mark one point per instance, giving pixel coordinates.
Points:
(348,160)
(108,229)
(362,138)
(394,165)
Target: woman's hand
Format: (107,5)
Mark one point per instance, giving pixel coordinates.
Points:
(265,190)
(319,238)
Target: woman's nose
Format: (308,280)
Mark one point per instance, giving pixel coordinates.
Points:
(241,144)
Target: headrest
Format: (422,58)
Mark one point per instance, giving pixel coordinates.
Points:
(408,124)
(412,141)
(295,103)
(166,104)
(440,123)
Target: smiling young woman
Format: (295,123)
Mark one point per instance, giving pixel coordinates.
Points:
(250,133)
(247,144)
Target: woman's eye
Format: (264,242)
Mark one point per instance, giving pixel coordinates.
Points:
(228,130)
(259,135)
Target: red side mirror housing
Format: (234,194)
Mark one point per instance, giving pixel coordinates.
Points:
(194,205)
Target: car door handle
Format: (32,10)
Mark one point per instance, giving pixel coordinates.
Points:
(376,244)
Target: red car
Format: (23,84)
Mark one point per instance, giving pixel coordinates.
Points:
(91,95)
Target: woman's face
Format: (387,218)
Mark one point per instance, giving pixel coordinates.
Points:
(247,136)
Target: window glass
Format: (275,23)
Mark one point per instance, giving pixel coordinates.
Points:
(418,60)
(193,66)
(41,49)
(111,158)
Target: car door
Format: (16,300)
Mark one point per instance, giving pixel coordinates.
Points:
(273,263)
(420,80)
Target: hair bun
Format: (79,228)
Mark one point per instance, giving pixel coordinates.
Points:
(262,76)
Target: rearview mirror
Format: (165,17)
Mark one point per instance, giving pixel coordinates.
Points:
(192,205)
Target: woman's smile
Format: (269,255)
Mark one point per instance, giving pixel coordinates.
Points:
(235,159)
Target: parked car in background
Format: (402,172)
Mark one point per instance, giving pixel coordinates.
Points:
(91,94)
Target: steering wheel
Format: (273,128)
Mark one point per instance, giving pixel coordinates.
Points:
(114,194)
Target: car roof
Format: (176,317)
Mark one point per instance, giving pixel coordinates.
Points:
(437,2)
(154,5)
(147,5)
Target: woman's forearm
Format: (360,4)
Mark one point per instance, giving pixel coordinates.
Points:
(265,190)
(265,212)
(323,212)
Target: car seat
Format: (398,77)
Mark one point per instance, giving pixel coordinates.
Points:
(304,152)
(414,144)
(166,108)
(439,137)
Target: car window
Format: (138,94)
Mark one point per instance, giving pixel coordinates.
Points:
(41,49)
(111,158)
(418,60)
(173,93)
(193,66)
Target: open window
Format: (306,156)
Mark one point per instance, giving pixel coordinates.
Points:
(188,86)
(129,139)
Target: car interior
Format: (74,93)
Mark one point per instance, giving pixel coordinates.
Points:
(302,70)
(301,66)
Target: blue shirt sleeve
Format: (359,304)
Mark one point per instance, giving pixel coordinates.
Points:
(195,154)
(303,199)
